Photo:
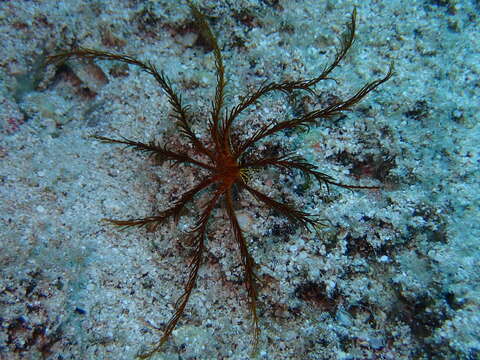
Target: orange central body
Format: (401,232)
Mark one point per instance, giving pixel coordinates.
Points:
(226,169)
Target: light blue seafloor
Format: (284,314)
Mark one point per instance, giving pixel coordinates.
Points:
(392,275)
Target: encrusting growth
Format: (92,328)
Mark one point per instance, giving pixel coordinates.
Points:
(224,157)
